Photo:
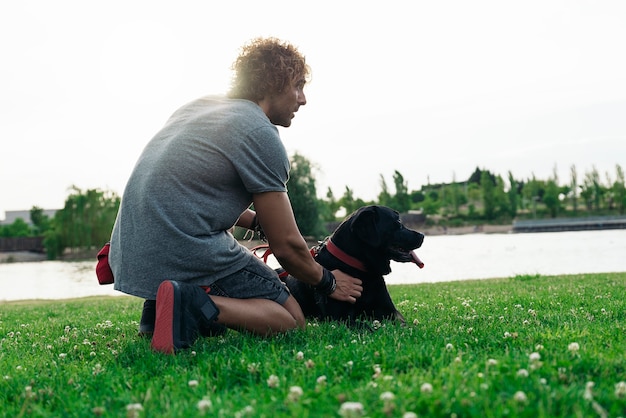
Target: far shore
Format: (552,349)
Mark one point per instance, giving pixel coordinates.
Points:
(27,256)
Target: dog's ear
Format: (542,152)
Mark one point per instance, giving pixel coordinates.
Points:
(364,225)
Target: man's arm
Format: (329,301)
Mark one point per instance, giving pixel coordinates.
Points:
(274,214)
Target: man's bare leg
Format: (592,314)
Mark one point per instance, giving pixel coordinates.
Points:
(259,316)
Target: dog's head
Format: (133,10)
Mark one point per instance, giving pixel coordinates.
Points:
(375,235)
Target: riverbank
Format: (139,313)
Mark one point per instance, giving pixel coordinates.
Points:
(28,256)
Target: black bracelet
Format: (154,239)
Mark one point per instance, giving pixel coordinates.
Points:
(328,284)
(256,227)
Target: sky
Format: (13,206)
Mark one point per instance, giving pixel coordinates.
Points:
(431,89)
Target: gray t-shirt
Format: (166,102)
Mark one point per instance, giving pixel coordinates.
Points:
(188,188)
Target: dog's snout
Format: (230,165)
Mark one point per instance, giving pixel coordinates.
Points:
(420,239)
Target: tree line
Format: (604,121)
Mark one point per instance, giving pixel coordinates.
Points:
(86,220)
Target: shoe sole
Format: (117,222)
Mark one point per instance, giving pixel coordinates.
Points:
(166,337)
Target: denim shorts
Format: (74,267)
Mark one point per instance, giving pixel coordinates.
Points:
(256,280)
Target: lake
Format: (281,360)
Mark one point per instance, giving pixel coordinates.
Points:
(446,258)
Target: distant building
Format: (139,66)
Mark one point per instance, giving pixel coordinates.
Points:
(11,215)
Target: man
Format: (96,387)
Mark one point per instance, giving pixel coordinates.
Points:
(197,178)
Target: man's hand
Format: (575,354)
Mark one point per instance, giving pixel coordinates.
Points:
(348,288)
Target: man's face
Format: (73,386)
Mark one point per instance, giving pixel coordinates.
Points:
(284,105)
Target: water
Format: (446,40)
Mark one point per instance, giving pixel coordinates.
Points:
(447,258)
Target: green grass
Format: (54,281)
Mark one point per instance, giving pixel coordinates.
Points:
(490,348)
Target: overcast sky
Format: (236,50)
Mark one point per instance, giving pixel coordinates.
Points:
(432,89)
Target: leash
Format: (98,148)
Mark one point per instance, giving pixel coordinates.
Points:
(282,273)
(330,246)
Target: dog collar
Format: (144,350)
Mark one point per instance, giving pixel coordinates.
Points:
(342,256)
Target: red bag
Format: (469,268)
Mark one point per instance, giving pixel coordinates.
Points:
(103,270)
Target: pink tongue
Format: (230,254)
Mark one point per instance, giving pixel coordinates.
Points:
(417,260)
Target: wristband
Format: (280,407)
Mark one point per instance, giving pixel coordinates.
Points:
(328,284)
(256,227)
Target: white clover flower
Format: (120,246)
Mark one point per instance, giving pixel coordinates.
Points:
(449,347)
(539,347)
(543,381)
(387,396)
(588,395)
(329,347)
(534,356)
(409,414)
(522,373)
(377,371)
(620,389)
(351,409)
(295,392)
(416,321)
(62,355)
(492,362)
(253,368)
(349,364)
(507,335)
(426,388)
(133,410)
(299,355)
(321,380)
(309,364)
(204,405)
(273,381)
(520,397)
(376,324)
(97,369)
(193,383)
(573,347)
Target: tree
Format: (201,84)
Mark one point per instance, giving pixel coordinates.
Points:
(328,208)
(619,190)
(592,190)
(551,198)
(303,197)
(574,188)
(384,197)
(84,223)
(19,228)
(501,199)
(40,221)
(488,192)
(512,195)
(401,200)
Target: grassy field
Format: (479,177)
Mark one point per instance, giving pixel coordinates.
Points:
(527,346)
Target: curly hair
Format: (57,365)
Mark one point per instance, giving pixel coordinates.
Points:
(266,66)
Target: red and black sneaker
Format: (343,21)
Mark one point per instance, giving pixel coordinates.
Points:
(181,311)
(148,315)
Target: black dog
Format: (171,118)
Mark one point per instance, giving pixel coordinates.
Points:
(362,246)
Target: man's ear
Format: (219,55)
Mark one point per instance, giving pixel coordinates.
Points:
(364,225)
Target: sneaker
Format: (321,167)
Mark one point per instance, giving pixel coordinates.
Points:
(181,311)
(148,315)
(146,324)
